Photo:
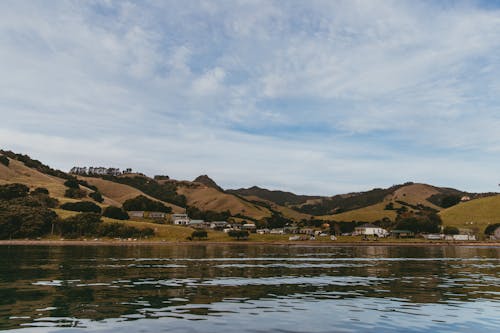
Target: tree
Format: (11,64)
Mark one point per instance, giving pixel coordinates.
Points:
(114,212)
(18,221)
(84,224)
(82,206)
(40,190)
(238,234)
(12,191)
(143,203)
(71,183)
(114,230)
(96,196)
(4,160)
(75,193)
(450,200)
(449,230)
(199,234)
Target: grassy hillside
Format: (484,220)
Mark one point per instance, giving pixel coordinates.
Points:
(208,198)
(367,214)
(480,212)
(415,194)
(17,172)
(278,197)
(119,193)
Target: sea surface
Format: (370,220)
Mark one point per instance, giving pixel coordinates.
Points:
(249,288)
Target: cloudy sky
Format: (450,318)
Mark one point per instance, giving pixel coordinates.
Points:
(316,97)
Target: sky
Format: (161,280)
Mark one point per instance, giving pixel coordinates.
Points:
(314,97)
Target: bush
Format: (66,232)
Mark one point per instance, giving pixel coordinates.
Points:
(36,200)
(143,203)
(114,212)
(84,224)
(199,234)
(449,230)
(40,190)
(71,183)
(12,191)
(75,193)
(84,183)
(82,206)
(238,234)
(4,160)
(96,196)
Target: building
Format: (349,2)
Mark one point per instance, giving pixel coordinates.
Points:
(249,227)
(136,213)
(433,236)
(465,198)
(369,229)
(402,234)
(218,225)
(197,224)
(180,219)
(156,215)
(263,231)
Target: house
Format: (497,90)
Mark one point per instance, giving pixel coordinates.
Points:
(136,213)
(306,231)
(156,215)
(218,225)
(402,234)
(465,198)
(369,229)
(197,224)
(433,236)
(180,219)
(277,231)
(263,231)
(464,237)
(249,227)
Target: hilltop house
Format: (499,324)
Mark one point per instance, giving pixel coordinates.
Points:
(136,213)
(369,229)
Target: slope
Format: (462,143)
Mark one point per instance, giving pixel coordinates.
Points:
(474,215)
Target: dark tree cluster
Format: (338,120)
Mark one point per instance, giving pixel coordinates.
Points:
(199,234)
(82,206)
(116,213)
(238,234)
(17,221)
(4,160)
(97,196)
(490,229)
(207,215)
(142,203)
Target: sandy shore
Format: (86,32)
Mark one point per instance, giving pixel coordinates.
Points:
(289,243)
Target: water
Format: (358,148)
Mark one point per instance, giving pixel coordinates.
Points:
(227,288)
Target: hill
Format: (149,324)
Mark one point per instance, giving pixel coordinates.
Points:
(474,215)
(278,197)
(207,181)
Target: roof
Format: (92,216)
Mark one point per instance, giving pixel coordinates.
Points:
(401,231)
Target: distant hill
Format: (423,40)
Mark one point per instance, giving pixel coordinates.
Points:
(258,203)
(205,180)
(278,197)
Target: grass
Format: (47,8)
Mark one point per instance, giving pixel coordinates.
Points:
(474,215)
(367,214)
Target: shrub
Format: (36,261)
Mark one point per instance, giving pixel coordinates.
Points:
(12,191)
(75,193)
(238,234)
(84,183)
(96,196)
(199,234)
(40,190)
(71,183)
(449,230)
(143,203)
(84,224)
(115,213)
(82,206)
(4,160)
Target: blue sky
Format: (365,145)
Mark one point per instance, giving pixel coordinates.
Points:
(316,97)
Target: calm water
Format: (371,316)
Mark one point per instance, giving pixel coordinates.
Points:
(249,289)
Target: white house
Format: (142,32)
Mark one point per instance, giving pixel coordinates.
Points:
(369,229)
(197,224)
(218,225)
(249,227)
(180,219)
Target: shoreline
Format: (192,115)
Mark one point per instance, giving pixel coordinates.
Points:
(253,243)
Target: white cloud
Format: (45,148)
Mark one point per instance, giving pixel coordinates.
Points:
(310,96)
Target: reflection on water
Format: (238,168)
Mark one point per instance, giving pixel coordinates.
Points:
(223,288)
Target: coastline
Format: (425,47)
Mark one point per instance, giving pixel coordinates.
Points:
(253,243)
